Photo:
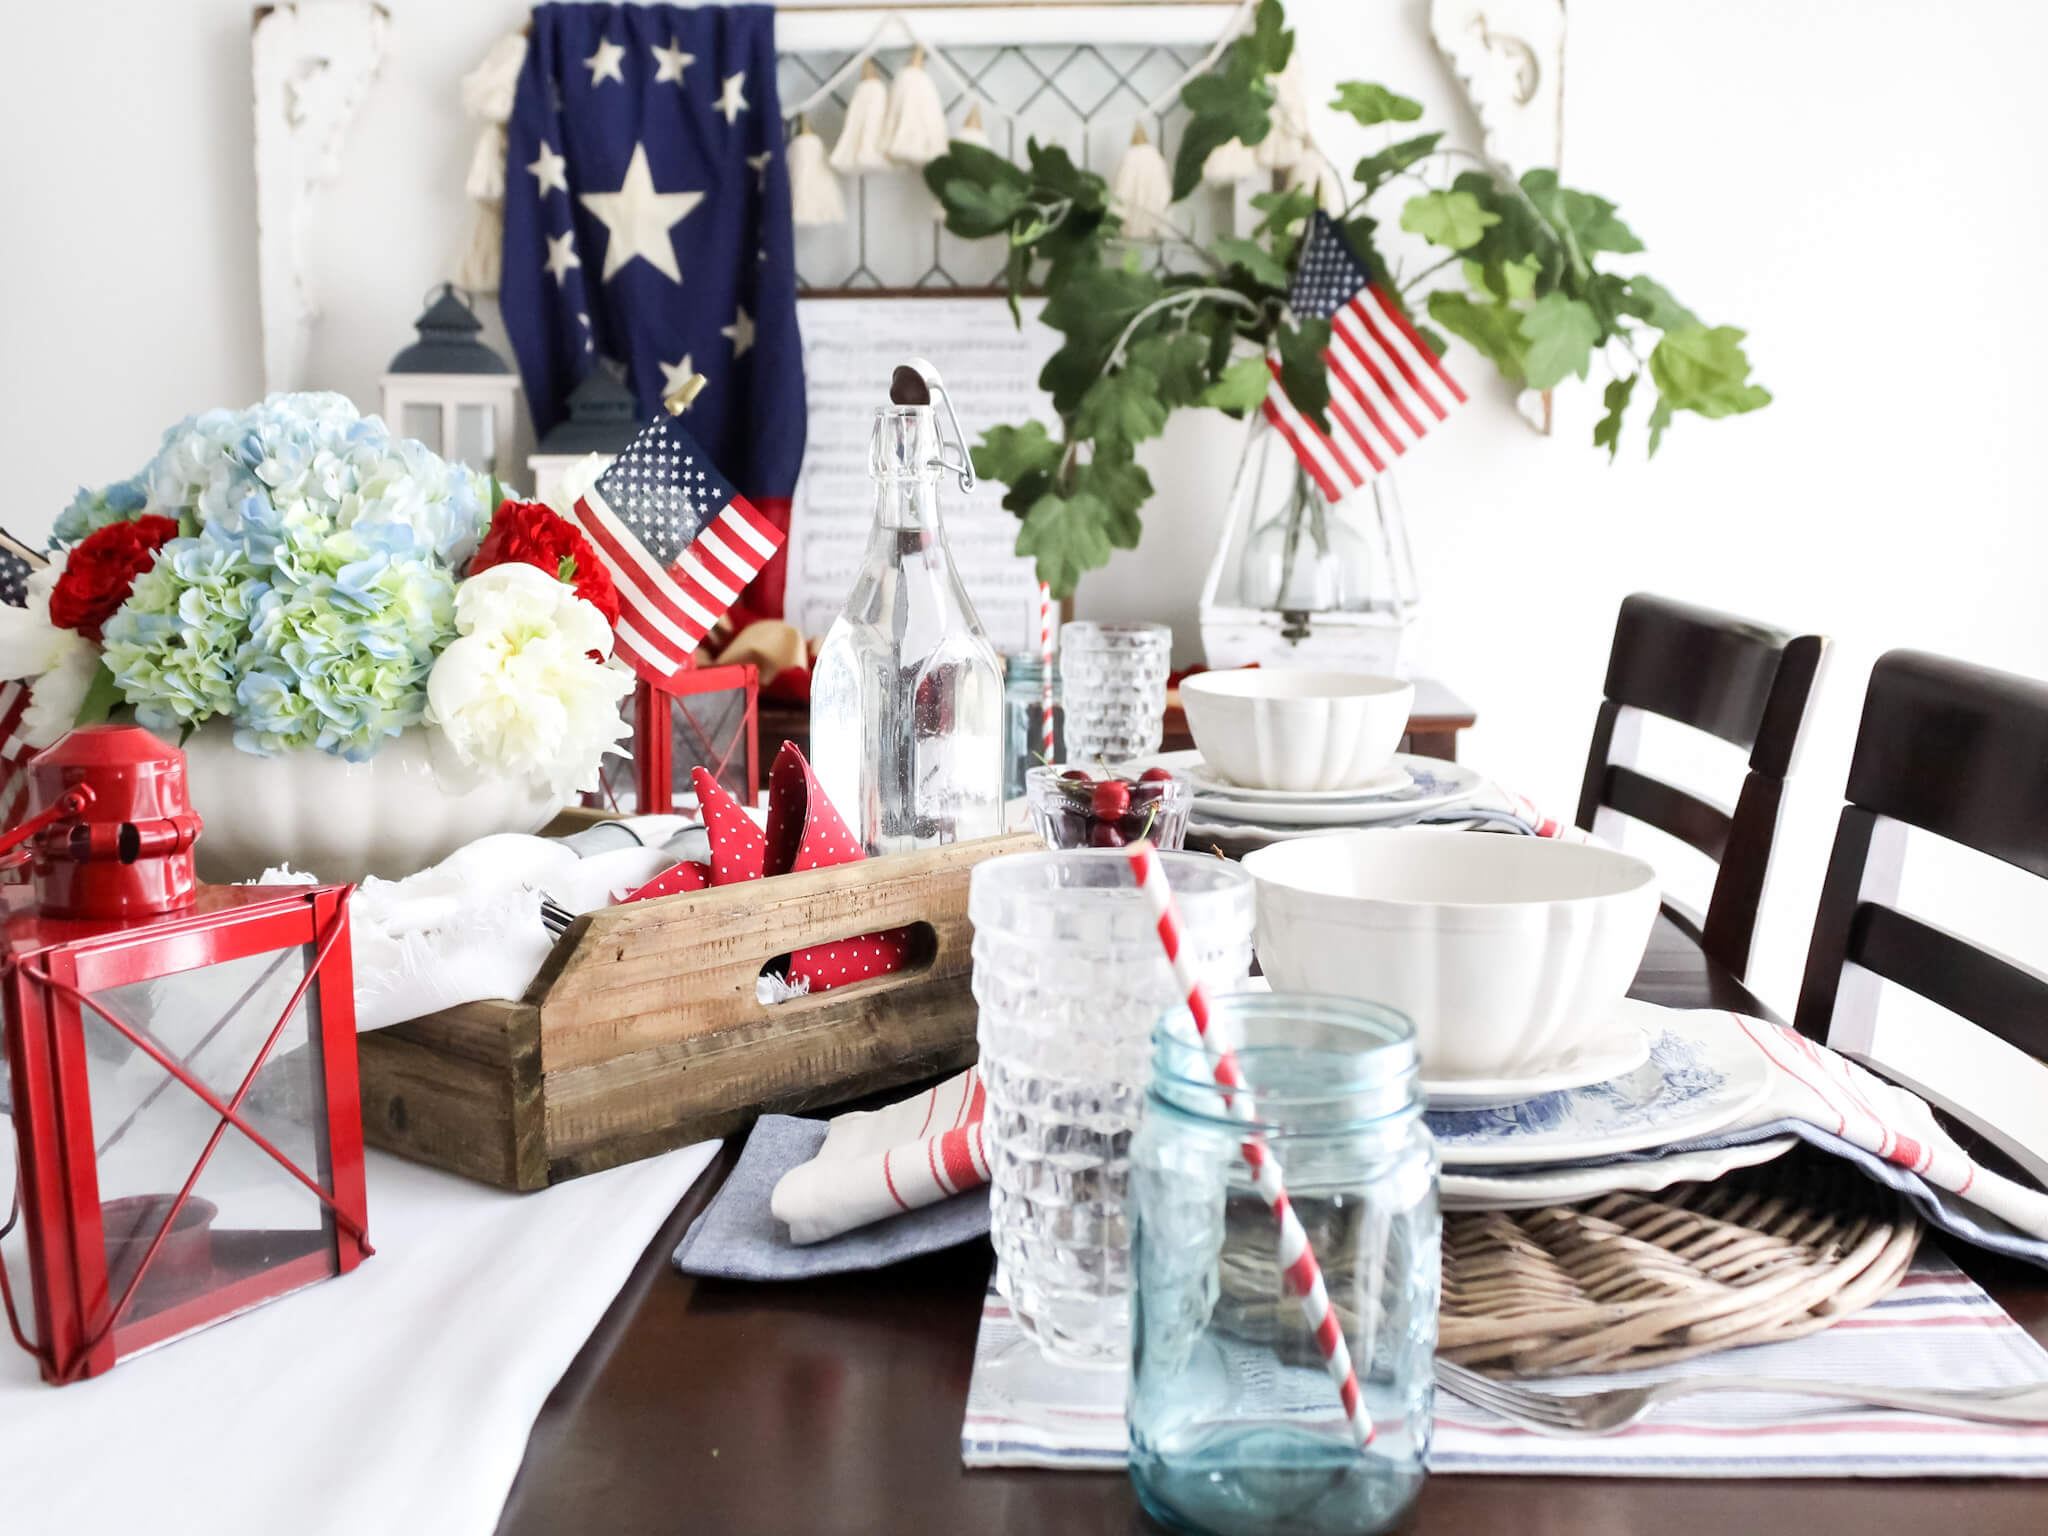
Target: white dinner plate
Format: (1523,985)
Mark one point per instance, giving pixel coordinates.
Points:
(1433,784)
(1703,1073)
(1567,1186)
(1207,781)
(1621,1050)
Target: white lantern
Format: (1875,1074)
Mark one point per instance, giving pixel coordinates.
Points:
(452,392)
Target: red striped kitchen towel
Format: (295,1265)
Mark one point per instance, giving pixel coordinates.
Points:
(877,1163)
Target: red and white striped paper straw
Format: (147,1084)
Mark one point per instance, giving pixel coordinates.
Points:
(1297,1259)
(1045,668)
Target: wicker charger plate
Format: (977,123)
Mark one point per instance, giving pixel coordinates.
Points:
(1633,1280)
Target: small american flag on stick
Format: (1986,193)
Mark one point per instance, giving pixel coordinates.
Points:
(17,563)
(680,542)
(1386,387)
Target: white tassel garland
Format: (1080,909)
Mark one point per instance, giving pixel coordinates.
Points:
(1286,142)
(1313,170)
(1228,164)
(914,131)
(860,137)
(487,93)
(1141,188)
(971,131)
(814,196)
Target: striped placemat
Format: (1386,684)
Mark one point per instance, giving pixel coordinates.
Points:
(1937,1329)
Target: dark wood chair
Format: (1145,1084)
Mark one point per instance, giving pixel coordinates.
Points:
(1960,752)
(1740,681)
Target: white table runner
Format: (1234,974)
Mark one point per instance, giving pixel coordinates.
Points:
(398,1398)
(1938,1329)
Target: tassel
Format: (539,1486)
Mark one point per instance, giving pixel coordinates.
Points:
(860,137)
(487,93)
(1228,164)
(814,196)
(971,131)
(1313,170)
(1286,142)
(914,132)
(1141,188)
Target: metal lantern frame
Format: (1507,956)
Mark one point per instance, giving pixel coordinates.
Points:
(55,969)
(654,710)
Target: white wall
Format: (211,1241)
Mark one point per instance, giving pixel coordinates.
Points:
(1854,181)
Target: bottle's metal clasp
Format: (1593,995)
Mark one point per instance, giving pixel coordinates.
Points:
(917,382)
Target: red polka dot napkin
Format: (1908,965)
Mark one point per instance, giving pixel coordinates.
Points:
(804,832)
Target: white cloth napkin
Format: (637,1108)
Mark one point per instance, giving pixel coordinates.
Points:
(879,1162)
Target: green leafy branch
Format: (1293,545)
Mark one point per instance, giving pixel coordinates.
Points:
(1139,343)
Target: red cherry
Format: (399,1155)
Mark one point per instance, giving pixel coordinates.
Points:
(1156,776)
(1102,835)
(1112,797)
(1078,775)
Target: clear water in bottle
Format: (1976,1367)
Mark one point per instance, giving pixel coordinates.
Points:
(907,694)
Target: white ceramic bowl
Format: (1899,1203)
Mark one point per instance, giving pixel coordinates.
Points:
(1509,953)
(1278,728)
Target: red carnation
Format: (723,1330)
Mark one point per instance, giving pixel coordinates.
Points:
(102,570)
(528,533)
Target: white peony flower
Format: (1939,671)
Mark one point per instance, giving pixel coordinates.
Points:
(60,662)
(517,695)
(575,479)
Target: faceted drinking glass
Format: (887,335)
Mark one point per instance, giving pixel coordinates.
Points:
(1113,687)
(1070,978)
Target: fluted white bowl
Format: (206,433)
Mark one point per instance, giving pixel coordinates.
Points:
(1278,728)
(1508,953)
(391,816)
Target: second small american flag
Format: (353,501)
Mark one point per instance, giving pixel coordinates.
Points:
(681,544)
(1386,387)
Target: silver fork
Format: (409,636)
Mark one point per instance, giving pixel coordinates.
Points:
(1604,1412)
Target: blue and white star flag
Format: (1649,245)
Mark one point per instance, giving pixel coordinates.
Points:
(647,220)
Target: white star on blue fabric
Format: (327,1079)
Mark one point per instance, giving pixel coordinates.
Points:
(562,255)
(604,64)
(730,101)
(550,170)
(670,62)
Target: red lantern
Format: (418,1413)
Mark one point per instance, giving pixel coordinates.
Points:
(671,736)
(183,1063)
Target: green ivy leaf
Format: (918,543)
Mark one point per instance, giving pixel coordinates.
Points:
(1304,376)
(1091,307)
(1607,430)
(1492,330)
(1432,340)
(1454,220)
(1394,159)
(1221,107)
(1254,258)
(1705,370)
(1514,281)
(1240,387)
(1269,43)
(1374,104)
(1179,360)
(1067,536)
(1660,418)
(980,190)
(1561,333)
(1122,406)
(1283,212)
(102,698)
(1590,219)
(1647,299)
(1122,486)
(1053,170)
(1009,454)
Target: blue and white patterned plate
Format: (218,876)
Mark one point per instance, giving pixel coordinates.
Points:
(1703,1074)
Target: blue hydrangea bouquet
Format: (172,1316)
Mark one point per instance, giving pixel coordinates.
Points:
(300,573)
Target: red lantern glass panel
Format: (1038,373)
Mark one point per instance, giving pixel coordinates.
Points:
(702,717)
(202,1064)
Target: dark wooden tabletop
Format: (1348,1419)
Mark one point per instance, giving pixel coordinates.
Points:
(834,1406)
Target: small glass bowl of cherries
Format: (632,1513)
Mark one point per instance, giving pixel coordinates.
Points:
(1074,806)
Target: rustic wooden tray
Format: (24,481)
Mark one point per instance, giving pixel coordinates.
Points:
(642,1031)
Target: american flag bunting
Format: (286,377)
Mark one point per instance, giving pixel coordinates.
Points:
(1387,389)
(680,543)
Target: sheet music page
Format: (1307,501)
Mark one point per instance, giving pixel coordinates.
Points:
(991,367)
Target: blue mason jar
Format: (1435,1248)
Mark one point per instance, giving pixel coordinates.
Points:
(1024,719)
(1235,1424)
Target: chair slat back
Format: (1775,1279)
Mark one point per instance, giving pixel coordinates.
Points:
(1960,752)
(1740,681)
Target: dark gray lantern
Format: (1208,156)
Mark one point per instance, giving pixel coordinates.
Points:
(604,417)
(450,391)
(448,341)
